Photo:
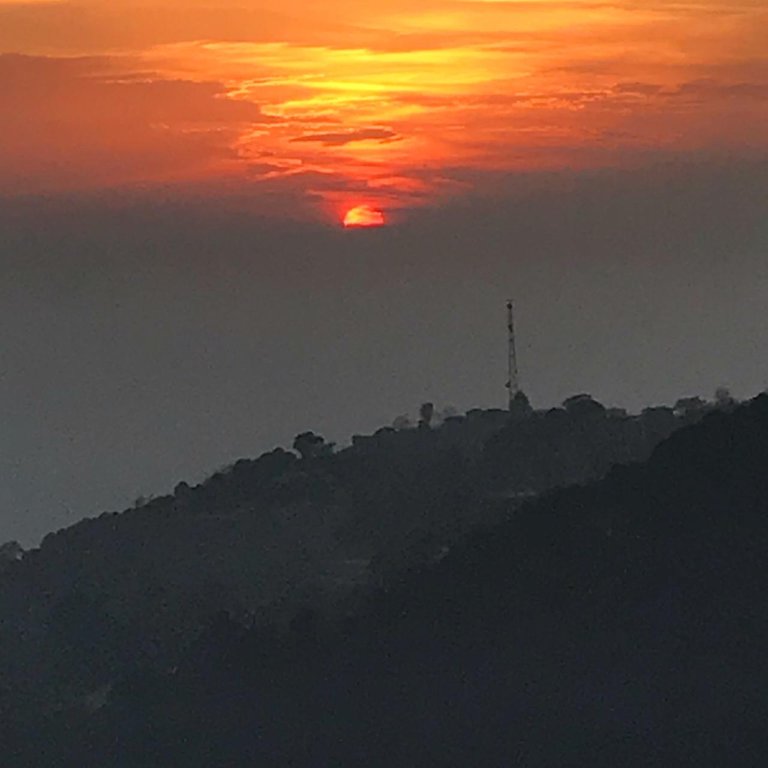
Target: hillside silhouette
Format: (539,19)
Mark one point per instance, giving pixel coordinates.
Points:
(464,592)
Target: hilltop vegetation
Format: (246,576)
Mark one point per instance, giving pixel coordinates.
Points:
(421,577)
(619,623)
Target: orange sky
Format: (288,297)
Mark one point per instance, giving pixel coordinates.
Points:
(322,106)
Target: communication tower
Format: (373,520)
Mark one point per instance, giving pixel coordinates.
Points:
(513,379)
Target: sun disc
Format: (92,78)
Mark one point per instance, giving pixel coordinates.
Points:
(364,216)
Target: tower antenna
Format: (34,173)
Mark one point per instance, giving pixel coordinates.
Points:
(513,379)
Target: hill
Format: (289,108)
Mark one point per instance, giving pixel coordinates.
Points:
(289,548)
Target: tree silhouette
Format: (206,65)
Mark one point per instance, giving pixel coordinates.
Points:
(426,413)
(310,445)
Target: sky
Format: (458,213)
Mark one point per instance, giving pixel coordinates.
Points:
(178,288)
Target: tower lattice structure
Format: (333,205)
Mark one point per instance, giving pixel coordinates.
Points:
(513,377)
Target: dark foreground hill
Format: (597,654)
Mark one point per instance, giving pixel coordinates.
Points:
(266,539)
(621,623)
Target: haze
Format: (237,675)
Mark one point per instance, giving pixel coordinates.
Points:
(177,290)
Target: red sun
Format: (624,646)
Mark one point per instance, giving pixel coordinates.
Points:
(363,216)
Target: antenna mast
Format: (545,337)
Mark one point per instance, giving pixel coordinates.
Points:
(513,382)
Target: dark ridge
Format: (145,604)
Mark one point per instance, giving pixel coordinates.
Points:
(431,596)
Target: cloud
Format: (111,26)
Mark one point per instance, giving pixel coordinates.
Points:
(83,122)
(105,89)
(637,89)
(342,138)
(203,92)
(708,89)
(66,27)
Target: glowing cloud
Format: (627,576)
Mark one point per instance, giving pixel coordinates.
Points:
(400,103)
(363,216)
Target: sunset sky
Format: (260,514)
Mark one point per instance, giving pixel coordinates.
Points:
(396,105)
(177,290)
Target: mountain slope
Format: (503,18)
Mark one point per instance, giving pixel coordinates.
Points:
(267,537)
(620,623)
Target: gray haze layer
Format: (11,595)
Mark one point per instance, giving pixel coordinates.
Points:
(144,342)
